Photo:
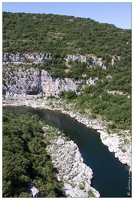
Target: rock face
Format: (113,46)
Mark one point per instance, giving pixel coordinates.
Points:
(91,81)
(75,175)
(21,58)
(29,83)
(94,60)
(33,190)
(52,86)
(76,57)
(119,143)
(116,144)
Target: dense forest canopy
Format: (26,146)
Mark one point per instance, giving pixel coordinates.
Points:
(63,35)
(24,155)
(25,159)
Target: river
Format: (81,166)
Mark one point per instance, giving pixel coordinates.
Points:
(111,178)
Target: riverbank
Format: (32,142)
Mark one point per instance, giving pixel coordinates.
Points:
(118,142)
(68,162)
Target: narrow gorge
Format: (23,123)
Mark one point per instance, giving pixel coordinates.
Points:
(75,74)
(34,87)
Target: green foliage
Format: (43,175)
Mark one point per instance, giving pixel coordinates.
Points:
(90,193)
(111,126)
(115,108)
(76,70)
(69,95)
(62,35)
(25,158)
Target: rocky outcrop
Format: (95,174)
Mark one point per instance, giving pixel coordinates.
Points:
(91,60)
(67,160)
(33,190)
(23,57)
(52,86)
(29,58)
(119,143)
(76,57)
(23,83)
(91,81)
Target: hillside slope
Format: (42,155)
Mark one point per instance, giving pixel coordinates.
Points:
(62,35)
(98,56)
(75,65)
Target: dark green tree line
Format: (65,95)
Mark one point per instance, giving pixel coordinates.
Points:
(25,158)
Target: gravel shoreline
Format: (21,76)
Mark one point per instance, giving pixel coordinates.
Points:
(119,143)
(67,160)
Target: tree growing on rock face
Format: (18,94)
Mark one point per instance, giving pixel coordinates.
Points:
(90,193)
(62,36)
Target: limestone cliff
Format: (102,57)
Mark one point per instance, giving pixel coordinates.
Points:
(22,83)
(90,59)
(20,57)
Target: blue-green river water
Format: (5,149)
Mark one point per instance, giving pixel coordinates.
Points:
(111,178)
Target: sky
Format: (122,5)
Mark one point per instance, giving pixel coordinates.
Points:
(117,13)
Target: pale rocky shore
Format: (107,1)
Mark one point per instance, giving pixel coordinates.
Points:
(118,142)
(67,160)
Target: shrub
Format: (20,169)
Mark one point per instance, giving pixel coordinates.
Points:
(90,193)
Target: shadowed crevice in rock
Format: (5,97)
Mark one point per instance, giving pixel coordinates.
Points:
(33,83)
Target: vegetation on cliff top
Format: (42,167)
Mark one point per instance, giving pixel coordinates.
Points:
(63,35)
